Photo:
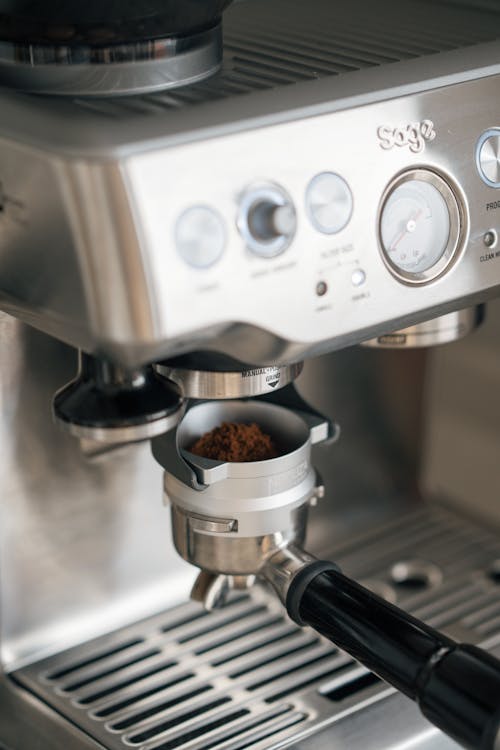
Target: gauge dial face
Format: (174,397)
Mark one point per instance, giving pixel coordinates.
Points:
(420,226)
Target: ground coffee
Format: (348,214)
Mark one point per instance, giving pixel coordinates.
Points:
(236,442)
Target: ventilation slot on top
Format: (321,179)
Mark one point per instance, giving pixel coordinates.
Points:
(313,42)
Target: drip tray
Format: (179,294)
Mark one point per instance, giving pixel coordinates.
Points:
(245,676)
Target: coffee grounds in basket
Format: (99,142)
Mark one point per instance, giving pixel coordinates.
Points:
(235,442)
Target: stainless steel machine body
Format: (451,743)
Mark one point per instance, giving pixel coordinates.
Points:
(119,211)
(102,206)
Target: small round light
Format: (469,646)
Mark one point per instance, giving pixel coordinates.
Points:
(321,288)
(358,277)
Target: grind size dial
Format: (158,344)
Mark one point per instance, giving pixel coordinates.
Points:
(420,226)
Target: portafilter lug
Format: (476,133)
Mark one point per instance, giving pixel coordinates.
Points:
(323,430)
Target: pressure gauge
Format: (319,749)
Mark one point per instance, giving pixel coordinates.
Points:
(421,226)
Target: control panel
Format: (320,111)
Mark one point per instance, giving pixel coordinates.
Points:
(330,227)
(274,240)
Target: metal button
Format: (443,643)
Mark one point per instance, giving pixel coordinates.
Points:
(488,157)
(329,203)
(200,236)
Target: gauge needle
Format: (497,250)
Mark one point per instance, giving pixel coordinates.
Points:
(410,227)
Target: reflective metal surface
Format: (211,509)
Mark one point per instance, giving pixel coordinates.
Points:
(229,517)
(117,191)
(90,190)
(212,376)
(111,70)
(246,676)
(82,543)
(442,330)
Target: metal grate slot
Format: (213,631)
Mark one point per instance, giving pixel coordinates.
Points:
(114,688)
(291,667)
(219,620)
(489,628)
(483,615)
(316,50)
(282,654)
(72,686)
(303,683)
(205,729)
(159,707)
(256,646)
(188,620)
(252,626)
(351,687)
(458,612)
(309,65)
(261,728)
(180,719)
(66,671)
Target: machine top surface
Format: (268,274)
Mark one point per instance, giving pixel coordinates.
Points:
(281,57)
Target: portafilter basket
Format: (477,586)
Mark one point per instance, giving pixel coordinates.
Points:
(228,518)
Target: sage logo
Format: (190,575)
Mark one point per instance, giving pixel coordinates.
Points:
(414,135)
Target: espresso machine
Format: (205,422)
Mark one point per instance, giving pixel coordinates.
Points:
(277,213)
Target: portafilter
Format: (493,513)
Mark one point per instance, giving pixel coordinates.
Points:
(244,521)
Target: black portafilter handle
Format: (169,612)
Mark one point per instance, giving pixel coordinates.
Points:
(456,686)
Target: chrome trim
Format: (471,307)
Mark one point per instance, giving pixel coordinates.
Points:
(122,435)
(215,384)
(274,196)
(458,225)
(442,330)
(118,69)
(490,133)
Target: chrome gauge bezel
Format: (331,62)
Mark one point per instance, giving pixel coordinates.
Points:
(458,225)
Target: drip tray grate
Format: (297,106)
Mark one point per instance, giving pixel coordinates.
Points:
(245,676)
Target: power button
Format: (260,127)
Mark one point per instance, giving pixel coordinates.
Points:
(488,157)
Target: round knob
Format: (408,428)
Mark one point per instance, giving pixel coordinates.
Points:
(200,236)
(267,220)
(488,158)
(329,203)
